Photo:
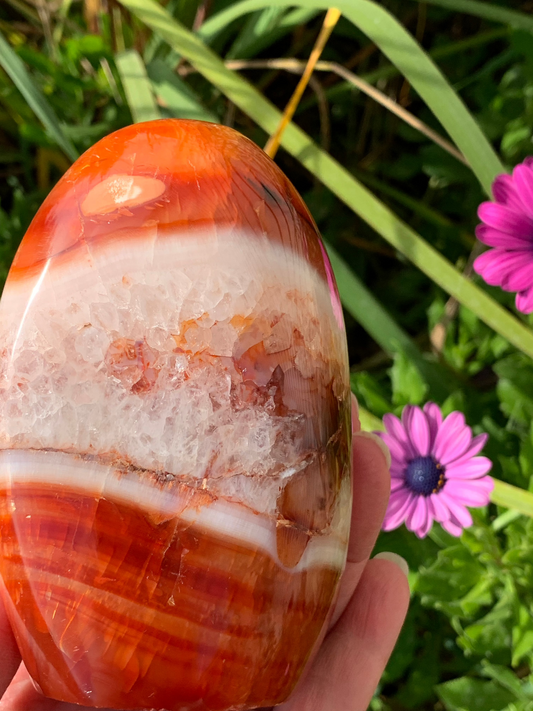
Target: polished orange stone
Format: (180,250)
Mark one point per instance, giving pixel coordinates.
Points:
(174,428)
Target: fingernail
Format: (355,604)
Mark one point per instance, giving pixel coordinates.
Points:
(380,443)
(394,558)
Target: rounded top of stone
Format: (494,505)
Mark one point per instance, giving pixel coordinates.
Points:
(167,178)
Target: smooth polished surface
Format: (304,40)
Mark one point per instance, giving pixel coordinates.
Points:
(174,428)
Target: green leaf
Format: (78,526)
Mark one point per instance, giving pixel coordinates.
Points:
(16,70)
(456,582)
(137,86)
(467,694)
(369,393)
(506,678)
(407,385)
(515,387)
(369,422)
(333,175)
(175,95)
(522,635)
(491,634)
(487,11)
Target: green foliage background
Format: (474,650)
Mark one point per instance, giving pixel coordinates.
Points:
(398,215)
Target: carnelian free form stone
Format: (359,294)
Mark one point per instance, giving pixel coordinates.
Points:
(174,428)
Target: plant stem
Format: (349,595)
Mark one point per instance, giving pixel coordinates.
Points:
(512,497)
(331,19)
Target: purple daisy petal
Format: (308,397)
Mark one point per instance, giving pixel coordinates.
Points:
(424,530)
(470,493)
(457,510)
(396,518)
(416,424)
(488,262)
(396,483)
(397,500)
(397,469)
(476,445)
(496,265)
(520,278)
(437,508)
(396,448)
(406,418)
(395,428)
(455,529)
(504,192)
(468,468)
(418,516)
(505,219)
(524,301)
(496,238)
(523,179)
(434,417)
(453,438)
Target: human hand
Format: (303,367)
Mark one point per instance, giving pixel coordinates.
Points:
(371,607)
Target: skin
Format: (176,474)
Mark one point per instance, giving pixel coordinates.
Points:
(370,610)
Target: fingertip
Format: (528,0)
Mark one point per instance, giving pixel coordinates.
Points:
(396,559)
(379,445)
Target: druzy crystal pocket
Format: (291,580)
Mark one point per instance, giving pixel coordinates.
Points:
(174,428)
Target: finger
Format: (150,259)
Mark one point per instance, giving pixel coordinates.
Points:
(371,488)
(356,423)
(9,653)
(348,667)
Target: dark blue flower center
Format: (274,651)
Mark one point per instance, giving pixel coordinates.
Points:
(424,476)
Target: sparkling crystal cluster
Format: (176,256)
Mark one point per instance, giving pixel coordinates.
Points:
(174,428)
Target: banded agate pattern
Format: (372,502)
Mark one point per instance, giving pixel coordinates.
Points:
(174,428)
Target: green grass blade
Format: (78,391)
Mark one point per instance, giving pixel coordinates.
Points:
(15,69)
(425,77)
(25,11)
(389,70)
(419,208)
(62,15)
(498,62)
(251,38)
(137,86)
(487,11)
(367,311)
(175,94)
(334,176)
(294,18)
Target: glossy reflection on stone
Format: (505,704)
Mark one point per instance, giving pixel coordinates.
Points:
(174,428)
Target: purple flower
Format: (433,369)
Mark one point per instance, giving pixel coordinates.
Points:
(435,473)
(508,228)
